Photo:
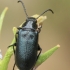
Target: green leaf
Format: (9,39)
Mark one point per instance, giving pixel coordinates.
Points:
(5,61)
(44,56)
(2,17)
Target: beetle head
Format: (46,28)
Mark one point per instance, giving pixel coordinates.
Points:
(30,23)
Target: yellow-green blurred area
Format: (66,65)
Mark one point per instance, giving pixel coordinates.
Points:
(55,30)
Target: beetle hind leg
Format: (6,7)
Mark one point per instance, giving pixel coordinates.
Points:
(40,50)
(14,66)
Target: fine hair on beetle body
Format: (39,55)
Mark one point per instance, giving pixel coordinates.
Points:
(27,47)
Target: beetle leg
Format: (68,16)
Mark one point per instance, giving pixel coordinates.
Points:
(39,28)
(39,49)
(14,49)
(33,68)
(14,66)
(13,44)
(16,36)
(14,52)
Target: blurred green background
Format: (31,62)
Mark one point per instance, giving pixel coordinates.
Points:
(55,30)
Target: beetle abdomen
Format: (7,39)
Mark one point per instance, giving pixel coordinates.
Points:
(26,50)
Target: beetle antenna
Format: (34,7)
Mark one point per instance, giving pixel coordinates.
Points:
(23,8)
(45,12)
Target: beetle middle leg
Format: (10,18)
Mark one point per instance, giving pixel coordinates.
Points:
(14,48)
(14,43)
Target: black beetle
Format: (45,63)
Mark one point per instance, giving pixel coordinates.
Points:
(27,47)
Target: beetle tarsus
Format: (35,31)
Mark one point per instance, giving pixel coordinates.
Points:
(12,45)
(14,66)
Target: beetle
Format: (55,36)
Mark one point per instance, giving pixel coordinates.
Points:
(27,47)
